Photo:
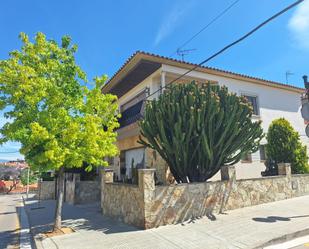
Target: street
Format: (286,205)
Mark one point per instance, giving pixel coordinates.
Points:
(9,224)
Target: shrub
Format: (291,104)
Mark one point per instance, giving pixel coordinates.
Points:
(24,177)
(284,145)
(197,129)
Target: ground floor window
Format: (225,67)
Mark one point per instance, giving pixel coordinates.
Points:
(130,162)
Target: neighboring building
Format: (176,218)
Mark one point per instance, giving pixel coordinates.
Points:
(145,73)
(17,163)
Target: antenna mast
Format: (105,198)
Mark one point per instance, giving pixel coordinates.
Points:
(287,74)
(183,52)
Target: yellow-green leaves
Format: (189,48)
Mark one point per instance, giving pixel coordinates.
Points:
(58,122)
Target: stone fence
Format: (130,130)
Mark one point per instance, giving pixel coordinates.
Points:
(46,190)
(76,191)
(148,206)
(81,192)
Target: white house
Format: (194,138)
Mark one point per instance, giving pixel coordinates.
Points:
(144,73)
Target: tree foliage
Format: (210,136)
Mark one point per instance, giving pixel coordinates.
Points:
(57,121)
(33,177)
(197,129)
(284,145)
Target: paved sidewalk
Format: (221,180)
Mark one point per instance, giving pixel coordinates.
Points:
(242,228)
(9,226)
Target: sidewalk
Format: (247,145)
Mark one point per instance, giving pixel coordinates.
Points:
(241,228)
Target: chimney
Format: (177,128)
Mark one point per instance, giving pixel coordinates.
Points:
(306,83)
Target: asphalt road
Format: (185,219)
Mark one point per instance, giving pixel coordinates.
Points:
(9,224)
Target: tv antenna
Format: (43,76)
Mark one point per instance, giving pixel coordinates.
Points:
(287,74)
(183,52)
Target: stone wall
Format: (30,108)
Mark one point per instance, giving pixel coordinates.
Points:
(148,206)
(124,202)
(46,190)
(81,192)
(87,192)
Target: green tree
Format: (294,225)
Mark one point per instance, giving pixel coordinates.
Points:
(197,129)
(33,177)
(59,122)
(284,145)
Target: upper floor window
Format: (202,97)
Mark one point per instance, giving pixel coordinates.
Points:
(133,109)
(134,100)
(254,103)
(263,155)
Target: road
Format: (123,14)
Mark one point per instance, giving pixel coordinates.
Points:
(9,222)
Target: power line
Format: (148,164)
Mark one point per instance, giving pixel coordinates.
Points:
(206,26)
(2,152)
(232,44)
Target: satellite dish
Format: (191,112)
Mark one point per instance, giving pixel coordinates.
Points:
(305,111)
(307,130)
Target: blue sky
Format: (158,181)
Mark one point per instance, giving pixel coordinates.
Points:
(108,32)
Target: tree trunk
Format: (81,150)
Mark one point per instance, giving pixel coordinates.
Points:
(60,197)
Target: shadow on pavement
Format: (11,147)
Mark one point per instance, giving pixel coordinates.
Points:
(9,239)
(272,219)
(4,213)
(78,217)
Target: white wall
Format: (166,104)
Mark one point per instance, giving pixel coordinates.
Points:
(273,103)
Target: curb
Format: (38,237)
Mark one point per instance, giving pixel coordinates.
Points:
(25,238)
(36,240)
(285,238)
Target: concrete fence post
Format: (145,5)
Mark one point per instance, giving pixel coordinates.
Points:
(107,176)
(284,169)
(146,184)
(76,177)
(228,173)
(70,188)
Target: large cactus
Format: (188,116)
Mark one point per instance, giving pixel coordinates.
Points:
(197,129)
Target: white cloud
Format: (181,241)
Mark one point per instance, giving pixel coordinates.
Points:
(299,25)
(171,21)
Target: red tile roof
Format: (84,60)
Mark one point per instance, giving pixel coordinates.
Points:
(205,67)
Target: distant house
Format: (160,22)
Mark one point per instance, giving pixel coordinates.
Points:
(16,163)
(144,73)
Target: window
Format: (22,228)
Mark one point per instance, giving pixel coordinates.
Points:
(263,155)
(247,158)
(133,110)
(134,159)
(254,103)
(133,101)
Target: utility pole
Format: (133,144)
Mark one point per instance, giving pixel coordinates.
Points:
(28,176)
